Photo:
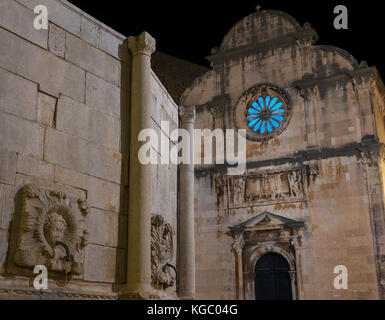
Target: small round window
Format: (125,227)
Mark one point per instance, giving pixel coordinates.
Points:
(263,111)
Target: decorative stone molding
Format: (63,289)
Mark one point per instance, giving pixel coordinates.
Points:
(314,170)
(269,187)
(143,44)
(370,157)
(238,244)
(262,234)
(51,231)
(308,94)
(25,293)
(162,252)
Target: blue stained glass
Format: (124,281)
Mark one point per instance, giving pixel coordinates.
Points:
(274,122)
(253,122)
(277,106)
(263,127)
(256,106)
(256,128)
(266,115)
(251,110)
(267,100)
(279,118)
(261,103)
(273,102)
(269,127)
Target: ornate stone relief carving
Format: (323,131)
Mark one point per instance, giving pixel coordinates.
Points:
(371,157)
(284,186)
(51,231)
(238,244)
(314,170)
(162,252)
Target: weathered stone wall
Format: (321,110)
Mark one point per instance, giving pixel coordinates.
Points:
(61,128)
(331,138)
(64,114)
(165,175)
(165,179)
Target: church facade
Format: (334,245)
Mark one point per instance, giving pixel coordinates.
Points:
(76,201)
(313,191)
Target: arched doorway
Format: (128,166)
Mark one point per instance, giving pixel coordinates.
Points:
(272,278)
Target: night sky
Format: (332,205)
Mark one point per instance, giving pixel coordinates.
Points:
(189,29)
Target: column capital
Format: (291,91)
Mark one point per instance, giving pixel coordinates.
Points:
(237,246)
(187,114)
(292,275)
(239,243)
(143,44)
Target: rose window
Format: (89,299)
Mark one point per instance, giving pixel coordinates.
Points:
(265,115)
(264,111)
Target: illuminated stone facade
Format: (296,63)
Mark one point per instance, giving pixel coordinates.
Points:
(74,197)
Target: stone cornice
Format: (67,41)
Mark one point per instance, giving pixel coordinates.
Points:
(221,57)
(368,150)
(308,82)
(357,75)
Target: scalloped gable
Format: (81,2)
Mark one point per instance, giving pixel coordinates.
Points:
(260,27)
(283,57)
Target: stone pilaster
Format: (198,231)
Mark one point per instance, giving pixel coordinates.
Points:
(186,213)
(372,163)
(237,249)
(138,285)
(310,97)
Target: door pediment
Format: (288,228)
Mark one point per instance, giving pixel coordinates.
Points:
(267,221)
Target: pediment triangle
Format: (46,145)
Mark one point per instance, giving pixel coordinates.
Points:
(266,219)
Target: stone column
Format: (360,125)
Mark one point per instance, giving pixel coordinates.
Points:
(292,279)
(186,213)
(296,275)
(138,285)
(237,248)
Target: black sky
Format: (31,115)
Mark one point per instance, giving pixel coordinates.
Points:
(189,29)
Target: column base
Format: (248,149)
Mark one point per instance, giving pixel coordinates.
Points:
(136,292)
(186,297)
(136,295)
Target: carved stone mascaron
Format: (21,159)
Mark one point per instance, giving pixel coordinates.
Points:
(50,230)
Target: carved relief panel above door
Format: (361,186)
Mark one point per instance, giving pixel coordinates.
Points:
(266,188)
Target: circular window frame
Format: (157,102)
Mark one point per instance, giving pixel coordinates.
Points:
(248,97)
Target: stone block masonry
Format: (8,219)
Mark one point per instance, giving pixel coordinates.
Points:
(60,128)
(63,129)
